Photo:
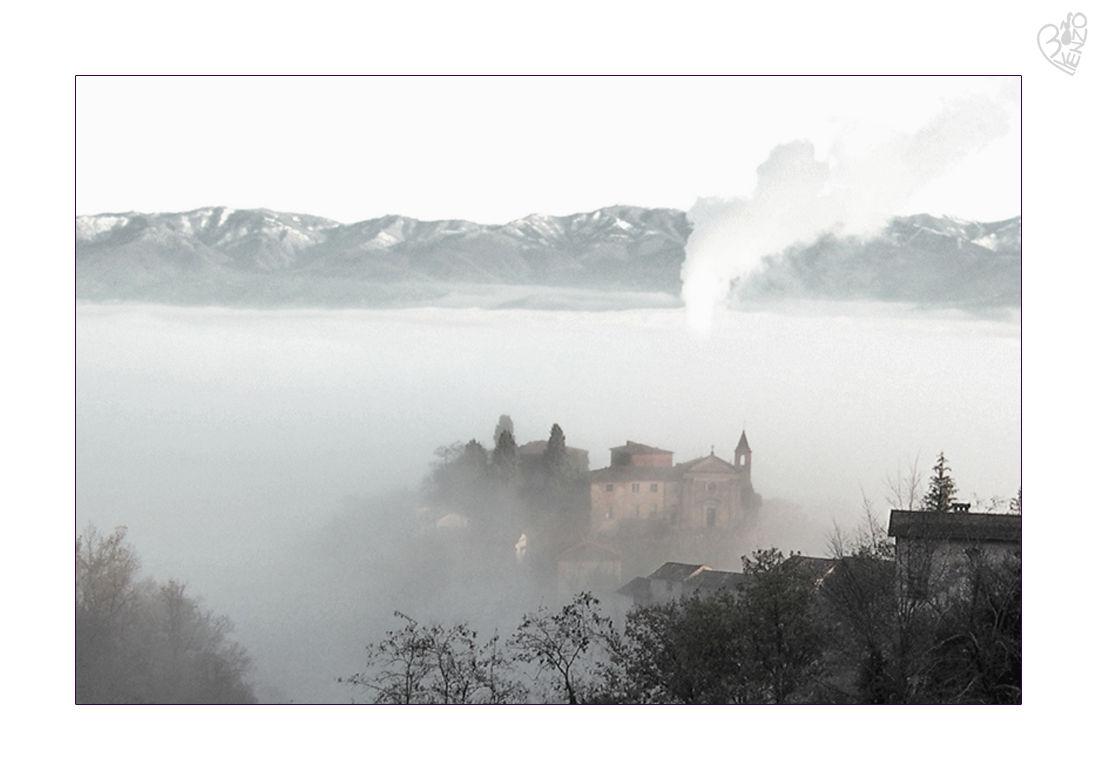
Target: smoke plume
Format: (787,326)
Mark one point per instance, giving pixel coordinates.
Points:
(798,197)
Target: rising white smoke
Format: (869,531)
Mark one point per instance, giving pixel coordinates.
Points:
(799,198)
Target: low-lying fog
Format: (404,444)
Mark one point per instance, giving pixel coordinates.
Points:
(267,457)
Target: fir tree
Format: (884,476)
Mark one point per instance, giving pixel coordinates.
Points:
(504,460)
(505,425)
(555,454)
(942,489)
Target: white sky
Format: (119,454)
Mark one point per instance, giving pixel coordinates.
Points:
(495,149)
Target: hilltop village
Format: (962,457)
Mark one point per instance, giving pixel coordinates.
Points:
(574,529)
(926,609)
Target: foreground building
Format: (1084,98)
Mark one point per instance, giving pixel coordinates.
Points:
(936,551)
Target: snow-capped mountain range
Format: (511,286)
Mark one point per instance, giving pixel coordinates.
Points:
(259,257)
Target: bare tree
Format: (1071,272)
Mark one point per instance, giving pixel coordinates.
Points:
(437,665)
(905,486)
(561,643)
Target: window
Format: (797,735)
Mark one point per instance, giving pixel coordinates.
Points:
(635,511)
(654,486)
(609,512)
(653,512)
(608,487)
(635,486)
(711,486)
(710,511)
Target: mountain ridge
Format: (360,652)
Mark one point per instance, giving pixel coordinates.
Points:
(221,255)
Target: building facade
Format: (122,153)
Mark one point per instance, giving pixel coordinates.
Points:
(643,487)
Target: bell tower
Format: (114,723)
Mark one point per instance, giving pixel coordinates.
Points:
(742,455)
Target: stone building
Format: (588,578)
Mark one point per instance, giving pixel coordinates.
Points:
(643,488)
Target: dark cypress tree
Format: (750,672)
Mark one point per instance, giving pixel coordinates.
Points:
(504,460)
(555,455)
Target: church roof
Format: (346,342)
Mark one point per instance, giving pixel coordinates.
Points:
(743,444)
(709,464)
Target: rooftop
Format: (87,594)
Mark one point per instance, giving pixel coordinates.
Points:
(718,580)
(677,572)
(954,526)
(632,447)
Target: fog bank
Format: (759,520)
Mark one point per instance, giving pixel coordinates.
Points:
(228,440)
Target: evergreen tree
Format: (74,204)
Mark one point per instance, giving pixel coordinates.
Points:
(504,459)
(459,477)
(505,425)
(942,489)
(555,455)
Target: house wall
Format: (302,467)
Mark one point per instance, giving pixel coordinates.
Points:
(933,569)
(653,460)
(632,500)
(663,591)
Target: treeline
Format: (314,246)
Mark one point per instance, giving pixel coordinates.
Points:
(142,642)
(790,635)
(505,494)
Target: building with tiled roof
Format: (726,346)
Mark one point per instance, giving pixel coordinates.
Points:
(643,487)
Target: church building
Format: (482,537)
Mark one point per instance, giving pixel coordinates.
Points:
(643,487)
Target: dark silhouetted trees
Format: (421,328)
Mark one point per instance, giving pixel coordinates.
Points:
(506,469)
(680,652)
(781,626)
